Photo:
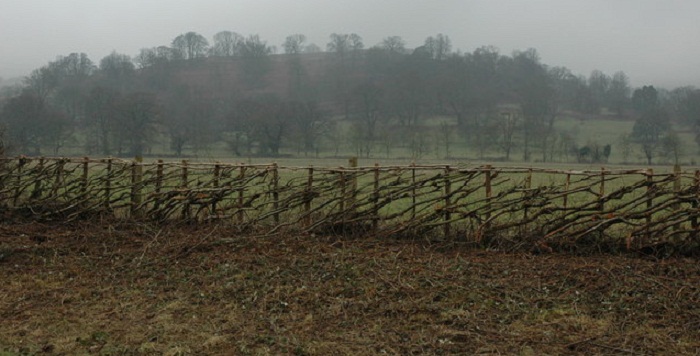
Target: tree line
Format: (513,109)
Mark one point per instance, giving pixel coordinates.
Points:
(245,95)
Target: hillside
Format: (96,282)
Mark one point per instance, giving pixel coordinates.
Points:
(381,102)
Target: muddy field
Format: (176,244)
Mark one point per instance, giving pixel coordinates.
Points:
(115,289)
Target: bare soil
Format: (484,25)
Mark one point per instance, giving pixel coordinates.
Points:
(130,289)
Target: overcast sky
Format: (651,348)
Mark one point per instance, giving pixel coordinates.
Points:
(653,41)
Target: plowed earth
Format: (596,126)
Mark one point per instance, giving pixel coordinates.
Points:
(117,289)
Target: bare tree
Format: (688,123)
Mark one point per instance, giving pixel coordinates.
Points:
(293,47)
(598,83)
(310,124)
(439,47)
(672,147)
(508,126)
(652,122)
(138,115)
(312,48)
(368,101)
(191,45)
(117,69)
(33,125)
(394,45)
(339,45)
(256,62)
(188,118)
(618,94)
(227,44)
(294,44)
(101,121)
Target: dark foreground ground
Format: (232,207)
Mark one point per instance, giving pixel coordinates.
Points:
(115,289)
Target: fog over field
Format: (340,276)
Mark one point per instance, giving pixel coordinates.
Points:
(652,41)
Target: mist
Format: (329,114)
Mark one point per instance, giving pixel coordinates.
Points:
(648,40)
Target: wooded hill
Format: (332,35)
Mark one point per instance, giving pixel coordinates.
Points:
(240,97)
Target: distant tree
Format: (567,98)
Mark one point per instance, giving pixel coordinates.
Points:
(226,44)
(239,126)
(672,147)
(155,56)
(32,125)
(294,44)
(76,65)
(43,81)
(255,54)
(118,70)
(507,126)
(138,114)
(618,94)
(344,48)
(444,136)
(407,90)
(394,45)
(438,47)
(312,48)
(532,87)
(367,103)
(190,45)
(188,118)
(273,121)
(652,121)
(356,47)
(598,83)
(293,47)
(310,125)
(338,45)
(64,72)
(72,72)
(101,122)
(688,109)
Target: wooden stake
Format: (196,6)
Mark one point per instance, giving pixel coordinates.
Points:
(241,178)
(413,190)
(650,202)
(185,190)
(342,194)
(448,193)
(309,197)
(36,194)
(694,219)
(108,186)
(676,190)
(375,199)
(217,176)
(489,193)
(601,195)
(353,186)
(136,175)
(84,180)
(275,193)
(566,190)
(18,189)
(159,185)
(528,186)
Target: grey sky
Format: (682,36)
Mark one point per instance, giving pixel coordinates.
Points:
(653,41)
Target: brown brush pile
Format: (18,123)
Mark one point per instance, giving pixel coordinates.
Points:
(114,289)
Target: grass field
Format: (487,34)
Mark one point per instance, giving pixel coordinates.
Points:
(116,289)
(334,152)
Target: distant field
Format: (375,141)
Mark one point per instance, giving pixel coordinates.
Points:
(600,131)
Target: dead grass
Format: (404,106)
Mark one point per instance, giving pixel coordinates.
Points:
(118,289)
